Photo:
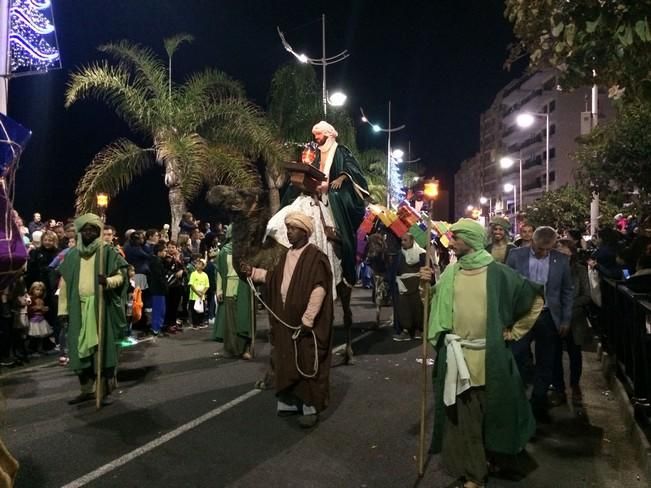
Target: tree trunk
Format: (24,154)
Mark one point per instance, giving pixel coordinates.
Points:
(275,180)
(177,209)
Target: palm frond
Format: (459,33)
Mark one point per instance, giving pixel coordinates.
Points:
(146,64)
(229,166)
(240,123)
(111,171)
(173,43)
(187,154)
(112,85)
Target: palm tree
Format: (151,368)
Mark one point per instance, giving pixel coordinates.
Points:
(201,132)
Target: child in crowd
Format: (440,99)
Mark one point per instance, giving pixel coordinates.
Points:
(39,329)
(157,287)
(199,284)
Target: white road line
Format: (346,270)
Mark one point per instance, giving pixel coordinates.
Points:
(101,471)
(130,456)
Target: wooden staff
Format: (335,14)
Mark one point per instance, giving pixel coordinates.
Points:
(100,328)
(423,400)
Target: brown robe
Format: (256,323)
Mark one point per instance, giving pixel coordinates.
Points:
(312,270)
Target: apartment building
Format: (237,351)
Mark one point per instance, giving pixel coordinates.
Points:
(568,116)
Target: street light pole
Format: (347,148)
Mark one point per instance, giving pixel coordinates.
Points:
(389,159)
(389,131)
(323,56)
(546,154)
(322,61)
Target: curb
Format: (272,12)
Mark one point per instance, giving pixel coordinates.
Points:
(635,432)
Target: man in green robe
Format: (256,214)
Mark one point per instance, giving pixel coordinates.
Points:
(480,401)
(234,321)
(79,307)
(343,192)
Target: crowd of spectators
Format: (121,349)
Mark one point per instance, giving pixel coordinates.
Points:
(166,280)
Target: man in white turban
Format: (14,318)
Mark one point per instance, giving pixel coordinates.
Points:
(343,193)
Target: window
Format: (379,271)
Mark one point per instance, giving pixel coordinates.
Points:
(552,129)
(552,106)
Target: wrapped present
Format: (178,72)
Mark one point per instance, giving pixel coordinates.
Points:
(387,217)
(407,214)
(443,230)
(398,228)
(420,235)
(367,224)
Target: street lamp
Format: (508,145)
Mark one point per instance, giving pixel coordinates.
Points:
(337,99)
(322,61)
(508,188)
(389,130)
(525,120)
(506,162)
(102,200)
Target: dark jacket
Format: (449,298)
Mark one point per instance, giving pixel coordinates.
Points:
(137,257)
(156,279)
(559,290)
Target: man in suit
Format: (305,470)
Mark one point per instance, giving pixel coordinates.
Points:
(544,265)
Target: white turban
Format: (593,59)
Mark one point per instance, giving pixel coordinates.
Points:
(300,220)
(325,128)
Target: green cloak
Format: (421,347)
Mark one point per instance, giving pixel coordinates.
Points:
(115,319)
(243,302)
(508,420)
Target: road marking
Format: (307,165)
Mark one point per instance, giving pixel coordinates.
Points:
(130,456)
(101,471)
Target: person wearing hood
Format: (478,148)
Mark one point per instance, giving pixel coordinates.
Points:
(234,320)
(78,306)
(500,246)
(481,407)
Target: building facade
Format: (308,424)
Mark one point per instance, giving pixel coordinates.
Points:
(500,135)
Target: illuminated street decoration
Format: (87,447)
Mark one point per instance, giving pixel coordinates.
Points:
(32,37)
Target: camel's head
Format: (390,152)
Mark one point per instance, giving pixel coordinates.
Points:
(237,202)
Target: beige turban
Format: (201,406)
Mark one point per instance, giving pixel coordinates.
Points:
(300,220)
(326,129)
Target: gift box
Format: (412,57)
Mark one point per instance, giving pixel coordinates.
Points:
(407,214)
(399,228)
(387,217)
(367,224)
(420,235)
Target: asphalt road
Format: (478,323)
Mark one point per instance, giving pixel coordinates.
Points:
(185,416)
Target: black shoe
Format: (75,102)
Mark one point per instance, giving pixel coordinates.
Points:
(106,401)
(81,398)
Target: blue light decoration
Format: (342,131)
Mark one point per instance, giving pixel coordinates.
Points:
(32,37)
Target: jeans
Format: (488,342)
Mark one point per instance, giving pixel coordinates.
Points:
(545,334)
(576,363)
(157,312)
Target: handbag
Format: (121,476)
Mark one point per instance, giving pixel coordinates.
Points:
(198,306)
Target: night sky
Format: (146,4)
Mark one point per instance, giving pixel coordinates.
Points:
(438,61)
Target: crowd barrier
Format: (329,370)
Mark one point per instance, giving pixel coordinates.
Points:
(625,323)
